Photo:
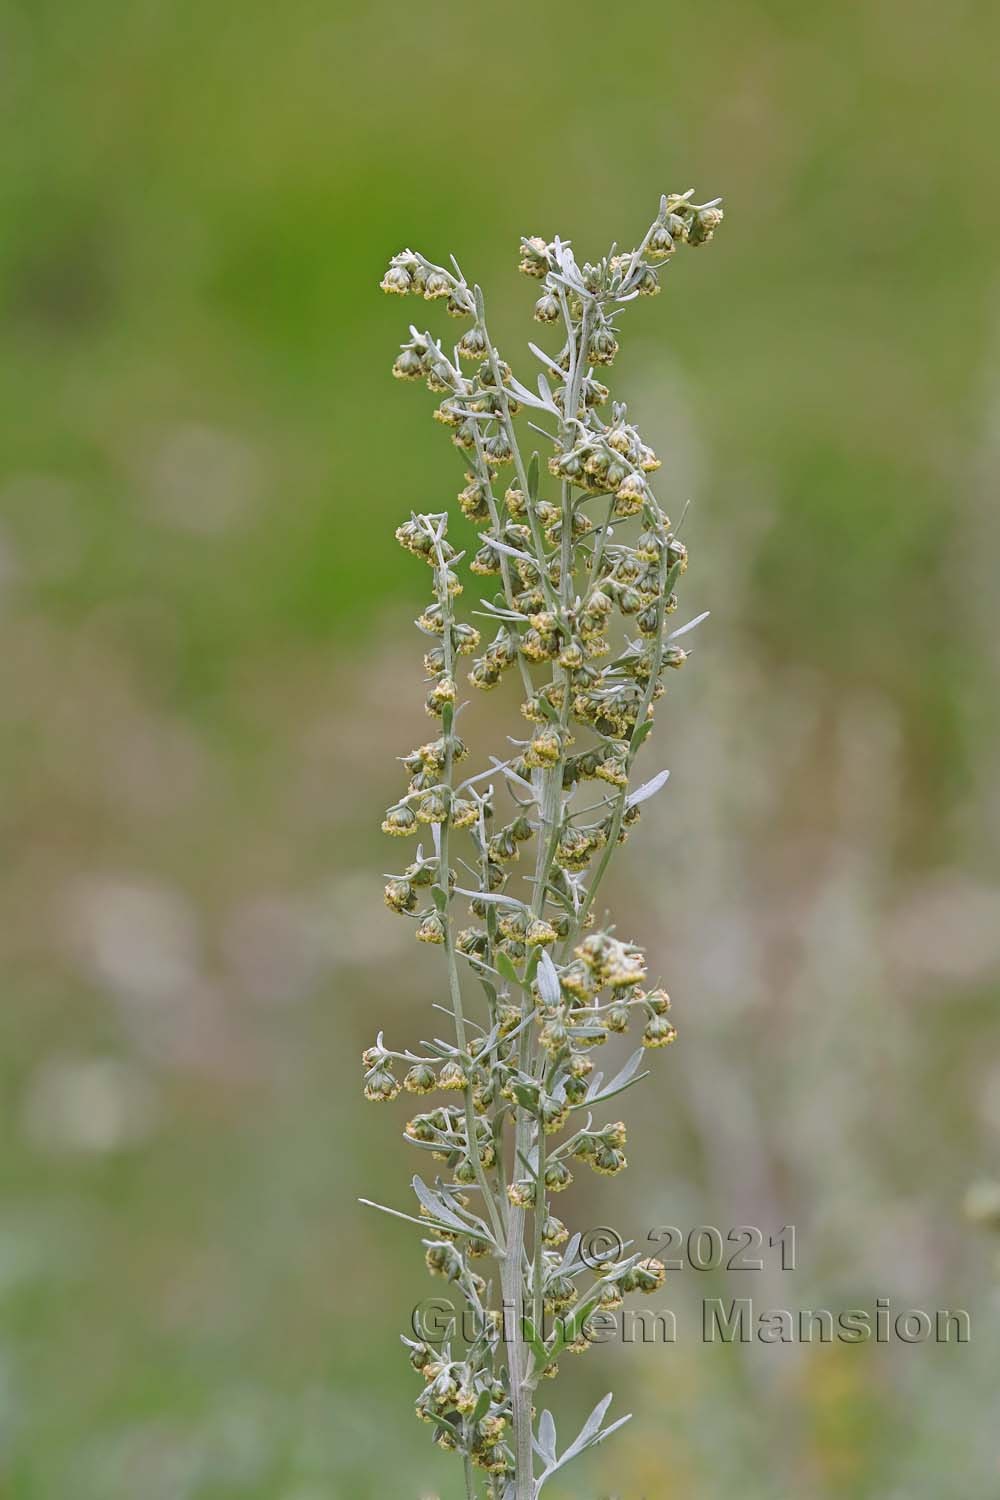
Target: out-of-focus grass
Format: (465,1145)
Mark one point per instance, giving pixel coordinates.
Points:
(203,456)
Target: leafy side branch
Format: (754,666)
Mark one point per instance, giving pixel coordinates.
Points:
(585,571)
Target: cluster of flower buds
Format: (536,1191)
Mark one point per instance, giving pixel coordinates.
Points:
(470,1412)
(577,587)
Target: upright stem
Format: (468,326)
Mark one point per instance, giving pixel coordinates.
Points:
(550,786)
(512,1287)
(634,743)
(486,479)
(444,887)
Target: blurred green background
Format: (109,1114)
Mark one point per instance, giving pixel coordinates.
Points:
(207,671)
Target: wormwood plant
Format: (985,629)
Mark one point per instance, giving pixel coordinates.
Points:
(585,575)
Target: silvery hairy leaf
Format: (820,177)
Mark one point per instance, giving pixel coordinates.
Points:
(545,1443)
(621,1081)
(591,1433)
(683,629)
(647,790)
(548,980)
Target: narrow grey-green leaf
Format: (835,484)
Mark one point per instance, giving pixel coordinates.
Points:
(545,1443)
(691,624)
(507,969)
(648,789)
(410,1218)
(436,1206)
(548,980)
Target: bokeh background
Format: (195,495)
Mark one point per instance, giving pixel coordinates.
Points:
(208,669)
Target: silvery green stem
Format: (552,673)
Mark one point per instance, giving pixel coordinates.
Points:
(619,809)
(519,468)
(548,834)
(484,476)
(512,1282)
(443,886)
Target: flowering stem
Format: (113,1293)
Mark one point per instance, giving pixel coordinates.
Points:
(554,985)
(485,479)
(443,887)
(634,744)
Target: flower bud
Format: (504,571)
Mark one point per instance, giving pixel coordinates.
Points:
(522,1194)
(397,281)
(557,1176)
(472,344)
(701,228)
(602,346)
(381,1086)
(439,377)
(452,1076)
(545,749)
(442,1259)
(497,450)
(431,929)
(554,1233)
(553,1114)
(534,257)
(473,501)
(502,847)
(660,243)
(576,1089)
(659,1032)
(547,308)
(464,813)
(630,495)
(399,821)
(400,896)
(408,365)
(648,621)
(540,933)
(438,284)
(441,694)
(560,1294)
(608,1161)
(648,1276)
(486,561)
(553,1037)
(466,639)
(420,1079)
(432,807)
(485,674)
